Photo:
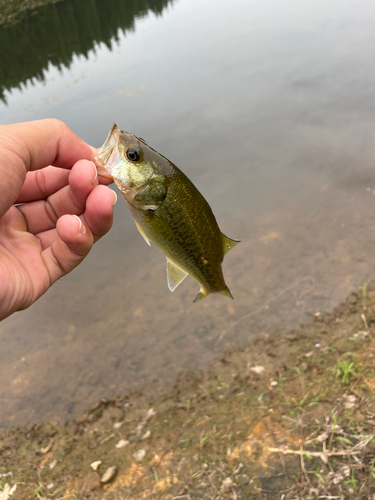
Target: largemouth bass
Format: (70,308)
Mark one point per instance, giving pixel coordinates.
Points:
(168,211)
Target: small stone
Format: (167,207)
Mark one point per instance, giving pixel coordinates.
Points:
(109,474)
(122,443)
(139,455)
(274,383)
(95,465)
(52,464)
(363,335)
(146,435)
(350,401)
(309,354)
(117,425)
(317,346)
(226,485)
(257,369)
(317,314)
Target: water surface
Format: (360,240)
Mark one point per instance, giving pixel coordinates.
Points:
(268,107)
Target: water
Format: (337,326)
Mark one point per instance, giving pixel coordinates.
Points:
(268,107)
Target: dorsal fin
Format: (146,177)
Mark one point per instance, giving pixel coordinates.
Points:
(228,243)
(142,233)
(175,275)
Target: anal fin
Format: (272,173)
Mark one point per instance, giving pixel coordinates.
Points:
(142,233)
(175,275)
(202,294)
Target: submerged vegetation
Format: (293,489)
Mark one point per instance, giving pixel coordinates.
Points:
(290,417)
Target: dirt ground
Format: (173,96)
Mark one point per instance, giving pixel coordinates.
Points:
(291,416)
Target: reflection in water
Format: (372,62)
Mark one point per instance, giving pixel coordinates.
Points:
(269,108)
(61,30)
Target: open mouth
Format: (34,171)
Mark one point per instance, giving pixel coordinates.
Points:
(107,157)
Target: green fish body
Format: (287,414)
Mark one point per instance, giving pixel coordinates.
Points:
(168,210)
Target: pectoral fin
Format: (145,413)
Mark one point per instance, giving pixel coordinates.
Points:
(142,233)
(175,275)
(159,225)
(228,243)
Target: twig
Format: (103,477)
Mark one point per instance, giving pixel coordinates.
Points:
(364,321)
(107,438)
(319,454)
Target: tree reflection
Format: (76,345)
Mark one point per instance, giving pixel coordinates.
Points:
(56,32)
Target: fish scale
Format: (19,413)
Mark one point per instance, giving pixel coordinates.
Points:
(169,211)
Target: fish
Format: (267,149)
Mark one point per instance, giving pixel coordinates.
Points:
(168,211)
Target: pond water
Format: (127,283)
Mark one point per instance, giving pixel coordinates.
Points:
(268,107)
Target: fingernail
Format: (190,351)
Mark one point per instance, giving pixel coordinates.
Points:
(115,198)
(96,173)
(81,227)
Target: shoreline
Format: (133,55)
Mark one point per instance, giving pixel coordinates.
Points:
(290,416)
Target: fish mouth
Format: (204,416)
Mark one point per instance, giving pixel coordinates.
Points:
(105,152)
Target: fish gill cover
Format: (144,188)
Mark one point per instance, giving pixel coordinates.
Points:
(53,32)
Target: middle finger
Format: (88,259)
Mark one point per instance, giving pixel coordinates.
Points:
(42,215)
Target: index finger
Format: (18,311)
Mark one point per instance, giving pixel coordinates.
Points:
(34,145)
(44,142)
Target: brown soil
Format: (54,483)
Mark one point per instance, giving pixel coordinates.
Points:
(291,416)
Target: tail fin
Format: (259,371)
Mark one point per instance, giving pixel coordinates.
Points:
(227,293)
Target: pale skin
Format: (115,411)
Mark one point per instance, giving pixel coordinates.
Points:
(53,208)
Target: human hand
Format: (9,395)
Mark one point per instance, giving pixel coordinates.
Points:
(50,216)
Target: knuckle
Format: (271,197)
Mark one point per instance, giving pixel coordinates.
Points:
(41,182)
(58,126)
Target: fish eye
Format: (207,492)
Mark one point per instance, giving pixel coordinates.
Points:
(133,154)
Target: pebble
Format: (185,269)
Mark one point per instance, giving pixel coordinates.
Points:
(274,383)
(363,335)
(139,455)
(350,401)
(226,485)
(109,474)
(95,465)
(257,369)
(146,435)
(309,354)
(117,425)
(122,443)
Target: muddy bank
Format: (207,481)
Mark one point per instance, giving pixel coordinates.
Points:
(290,416)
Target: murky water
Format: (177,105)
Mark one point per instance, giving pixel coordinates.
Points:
(269,107)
